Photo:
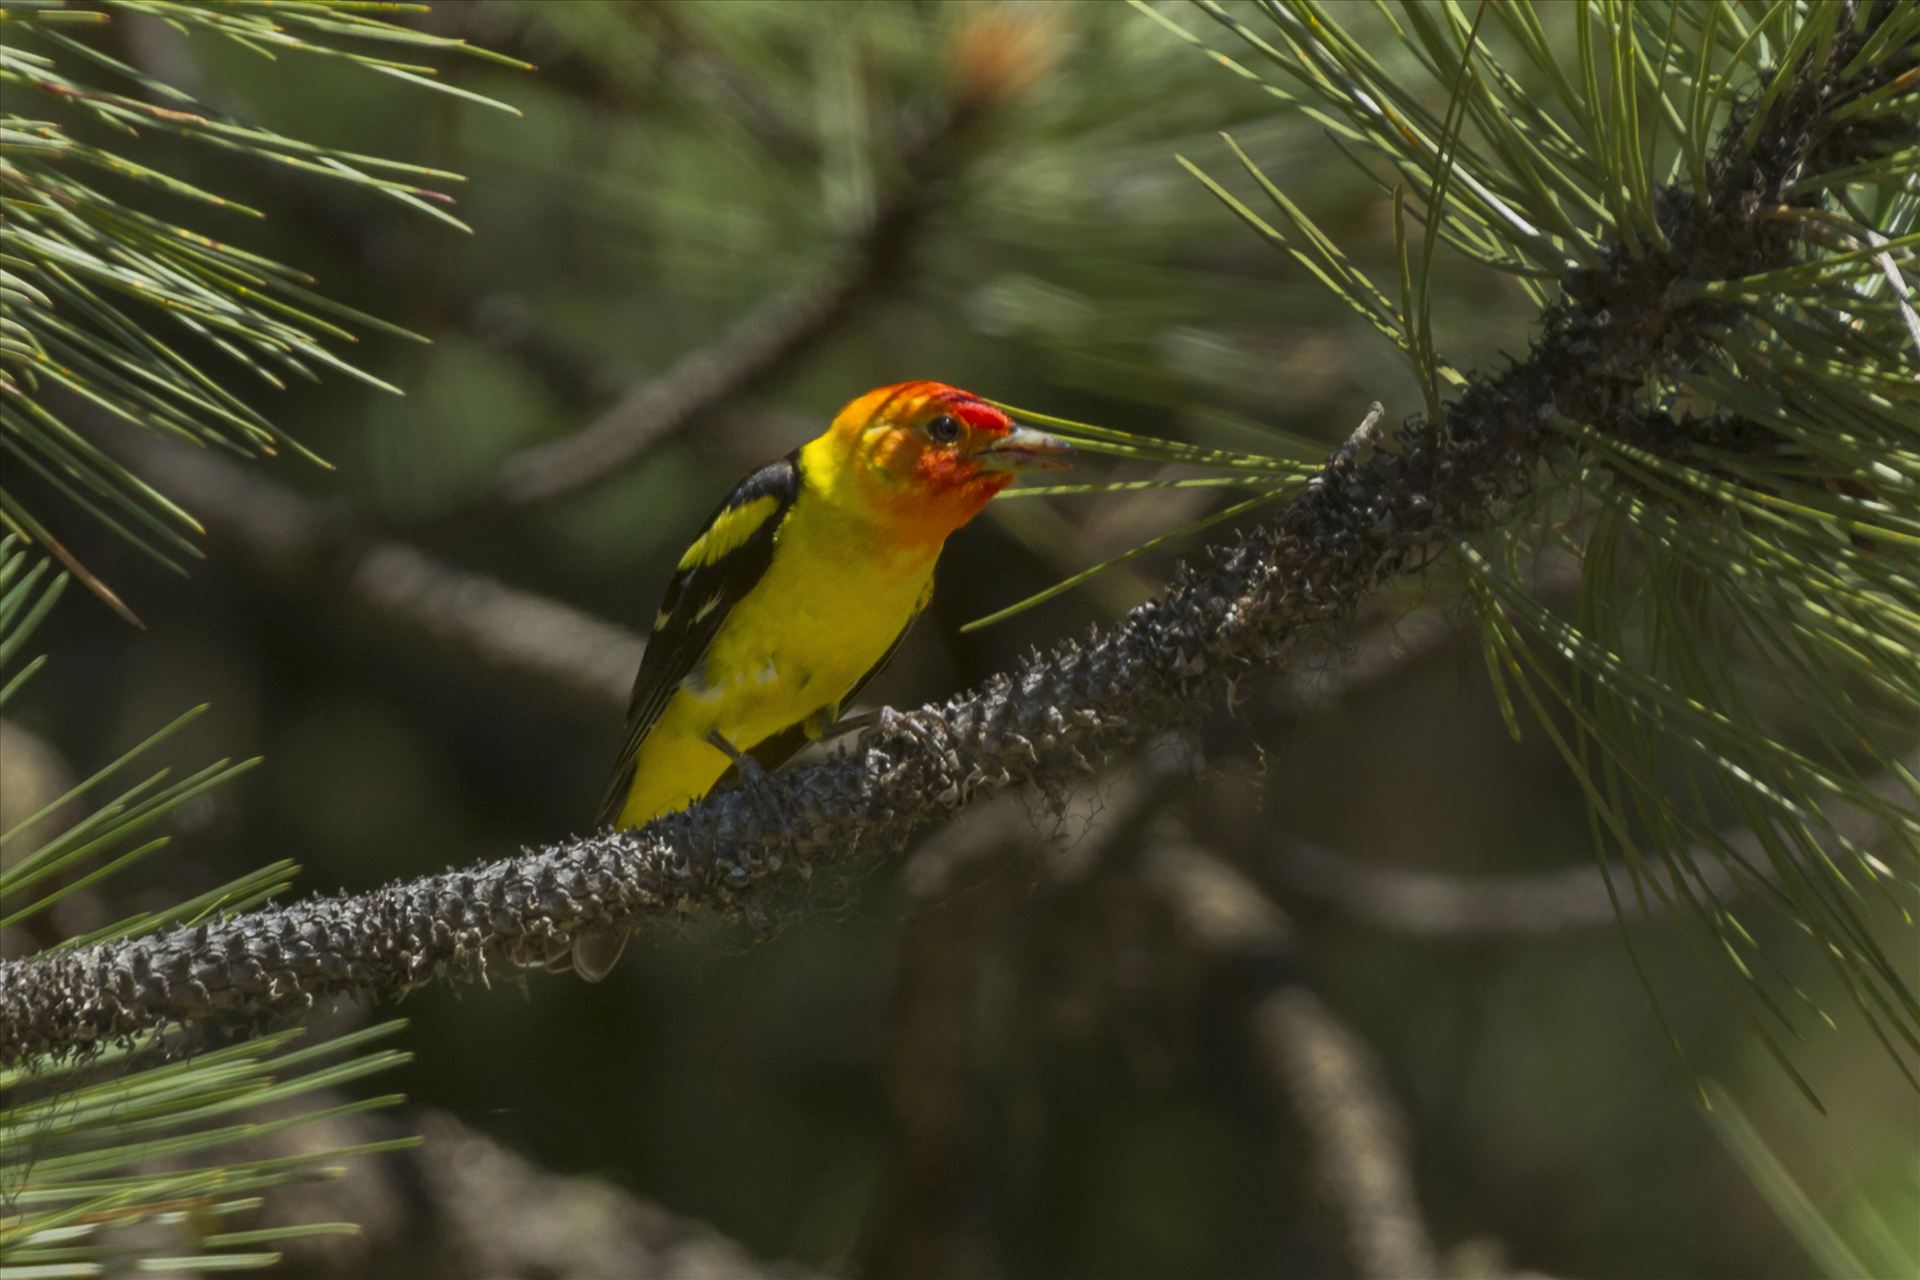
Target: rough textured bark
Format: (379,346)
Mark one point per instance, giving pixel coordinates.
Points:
(1364,519)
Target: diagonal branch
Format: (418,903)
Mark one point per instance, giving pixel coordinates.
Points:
(1366,520)
(754,350)
(311,548)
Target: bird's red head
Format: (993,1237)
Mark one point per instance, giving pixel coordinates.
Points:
(927,455)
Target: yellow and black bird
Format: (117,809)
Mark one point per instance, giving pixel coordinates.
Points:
(799,590)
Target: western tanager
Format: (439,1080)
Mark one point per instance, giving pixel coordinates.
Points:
(799,590)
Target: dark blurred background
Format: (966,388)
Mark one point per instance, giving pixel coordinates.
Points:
(1011,1058)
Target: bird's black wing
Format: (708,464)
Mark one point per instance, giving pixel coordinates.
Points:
(727,560)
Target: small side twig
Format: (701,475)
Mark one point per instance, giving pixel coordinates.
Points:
(1360,442)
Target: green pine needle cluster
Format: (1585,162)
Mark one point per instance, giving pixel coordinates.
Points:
(123,1160)
(107,305)
(1746,641)
(113,1168)
(1273,477)
(1862,1234)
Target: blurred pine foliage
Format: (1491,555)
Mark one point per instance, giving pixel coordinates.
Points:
(129,312)
(1744,502)
(120,1160)
(123,1161)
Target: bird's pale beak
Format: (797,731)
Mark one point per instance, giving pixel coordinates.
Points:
(1024,449)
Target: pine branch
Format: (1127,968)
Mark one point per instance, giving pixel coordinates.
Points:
(1362,522)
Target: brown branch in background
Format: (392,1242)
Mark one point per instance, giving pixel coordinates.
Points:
(304,546)
(942,1188)
(996,56)
(1438,907)
(944,1198)
(756,349)
(1302,1055)
(463,1205)
(935,1211)
(1325,1075)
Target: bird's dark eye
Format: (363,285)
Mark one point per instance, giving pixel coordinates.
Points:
(943,429)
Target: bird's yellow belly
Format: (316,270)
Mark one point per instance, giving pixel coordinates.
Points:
(792,647)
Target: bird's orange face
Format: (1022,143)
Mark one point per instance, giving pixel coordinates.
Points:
(932,455)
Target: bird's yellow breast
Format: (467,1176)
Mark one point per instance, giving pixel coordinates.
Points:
(836,595)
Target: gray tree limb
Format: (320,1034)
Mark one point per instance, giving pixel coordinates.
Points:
(1334,1086)
(462,1204)
(303,546)
(1539,905)
(1363,521)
